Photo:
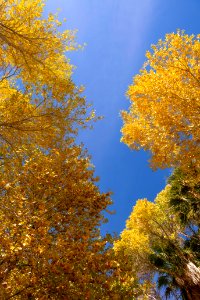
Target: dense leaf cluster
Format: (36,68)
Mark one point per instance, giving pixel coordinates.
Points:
(51,207)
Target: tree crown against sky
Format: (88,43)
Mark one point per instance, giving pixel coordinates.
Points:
(165,103)
(51,207)
(39,100)
(162,238)
(50,202)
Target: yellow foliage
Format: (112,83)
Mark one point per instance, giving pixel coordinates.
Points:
(165,100)
(48,221)
(38,100)
(50,209)
(148,225)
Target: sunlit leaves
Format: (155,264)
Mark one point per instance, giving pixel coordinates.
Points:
(51,207)
(155,241)
(39,101)
(163,118)
(165,103)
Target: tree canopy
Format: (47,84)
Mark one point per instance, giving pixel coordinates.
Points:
(51,206)
(161,238)
(158,245)
(165,103)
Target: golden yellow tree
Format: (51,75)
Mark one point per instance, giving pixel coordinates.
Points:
(156,242)
(144,229)
(165,103)
(38,99)
(50,241)
(51,208)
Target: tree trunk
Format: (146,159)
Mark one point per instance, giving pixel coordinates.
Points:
(190,283)
(193,292)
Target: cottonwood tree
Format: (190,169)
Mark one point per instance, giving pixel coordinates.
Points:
(163,118)
(50,242)
(155,242)
(51,207)
(38,98)
(165,103)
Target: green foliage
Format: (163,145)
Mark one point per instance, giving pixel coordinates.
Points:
(184,196)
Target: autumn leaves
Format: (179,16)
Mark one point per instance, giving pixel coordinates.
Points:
(164,111)
(51,207)
(162,238)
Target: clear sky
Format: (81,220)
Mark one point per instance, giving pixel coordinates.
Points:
(117,34)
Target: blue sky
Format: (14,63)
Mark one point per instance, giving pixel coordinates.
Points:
(117,34)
